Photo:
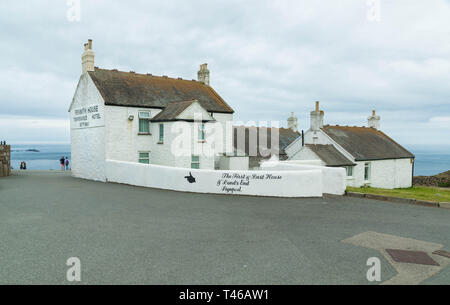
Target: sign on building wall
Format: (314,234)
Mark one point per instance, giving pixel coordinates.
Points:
(87,117)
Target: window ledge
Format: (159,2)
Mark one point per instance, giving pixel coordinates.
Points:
(144,134)
(160,143)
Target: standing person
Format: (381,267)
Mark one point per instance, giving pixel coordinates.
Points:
(67,164)
(21,165)
(24,165)
(62,162)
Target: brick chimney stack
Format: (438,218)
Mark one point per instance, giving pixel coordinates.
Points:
(317,118)
(374,120)
(203,74)
(87,59)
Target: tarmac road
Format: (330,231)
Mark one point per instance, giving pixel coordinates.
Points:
(130,235)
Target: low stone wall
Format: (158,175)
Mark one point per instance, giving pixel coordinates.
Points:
(432,181)
(5,160)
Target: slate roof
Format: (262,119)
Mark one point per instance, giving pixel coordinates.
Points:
(172,111)
(144,90)
(330,155)
(366,144)
(286,137)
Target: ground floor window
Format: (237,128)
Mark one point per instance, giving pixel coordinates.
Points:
(195,162)
(349,171)
(367,171)
(144,157)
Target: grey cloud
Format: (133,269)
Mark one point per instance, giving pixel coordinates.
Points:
(267,58)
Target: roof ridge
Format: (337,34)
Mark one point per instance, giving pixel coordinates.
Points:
(134,73)
(120,88)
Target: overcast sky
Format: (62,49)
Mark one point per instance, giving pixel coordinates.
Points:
(267,58)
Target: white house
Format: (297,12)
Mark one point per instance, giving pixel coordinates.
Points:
(126,116)
(369,155)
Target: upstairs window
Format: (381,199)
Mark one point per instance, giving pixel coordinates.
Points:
(144,122)
(195,163)
(144,157)
(201,132)
(161,133)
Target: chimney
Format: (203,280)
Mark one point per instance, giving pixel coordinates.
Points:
(293,123)
(374,120)
(203,74)
(87,59)
(317,118)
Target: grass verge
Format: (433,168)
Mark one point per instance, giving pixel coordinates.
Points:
(434,194)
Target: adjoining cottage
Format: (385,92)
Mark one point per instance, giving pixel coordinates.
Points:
(263,143)
(133,117)
(369,155)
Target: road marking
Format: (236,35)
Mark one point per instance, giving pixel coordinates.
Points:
(408,274)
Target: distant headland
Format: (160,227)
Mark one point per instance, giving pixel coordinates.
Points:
(26,150)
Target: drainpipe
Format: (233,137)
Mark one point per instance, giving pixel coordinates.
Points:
(303,138)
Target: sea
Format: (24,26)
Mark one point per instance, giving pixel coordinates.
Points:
(429,160)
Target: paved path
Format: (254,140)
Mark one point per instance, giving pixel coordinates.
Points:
(126,235)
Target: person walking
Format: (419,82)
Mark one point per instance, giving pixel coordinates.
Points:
(67,164)
(62,162)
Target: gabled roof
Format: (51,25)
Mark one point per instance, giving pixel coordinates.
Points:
(173,110)
(144,90)
(366,144)
(286,137)
(330,155)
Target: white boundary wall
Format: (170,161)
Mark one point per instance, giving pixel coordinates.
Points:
(333,179)
(274,183)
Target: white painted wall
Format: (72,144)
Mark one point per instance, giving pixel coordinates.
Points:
(87,142)
(123,141)
(389,174)
(333,179)
(223,118)
(171,154)
(293,183)
(234,162)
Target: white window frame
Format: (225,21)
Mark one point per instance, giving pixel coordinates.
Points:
(349,169)
(368,166)
(143,158)
(144,115)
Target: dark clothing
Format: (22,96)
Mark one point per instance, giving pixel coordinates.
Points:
(62,161)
